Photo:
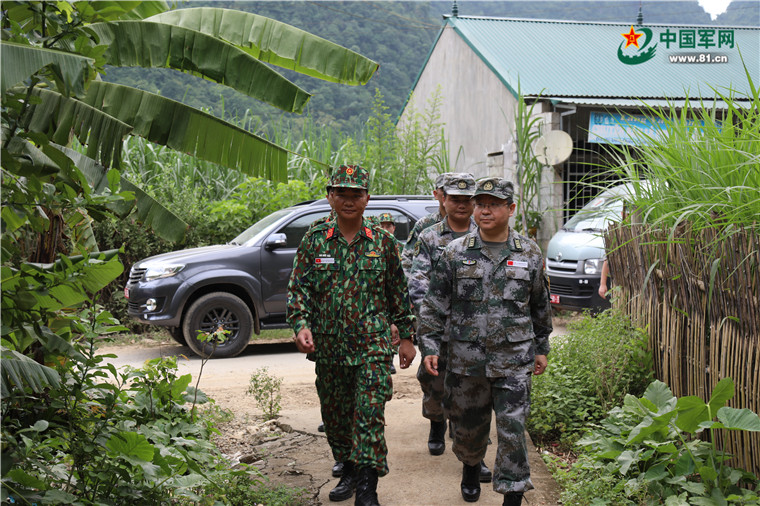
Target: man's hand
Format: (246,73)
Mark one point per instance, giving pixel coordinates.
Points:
(431,364)
(395,336)
(406,353)
(540,365)
(304,341)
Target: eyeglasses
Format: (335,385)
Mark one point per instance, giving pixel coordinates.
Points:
(491,206)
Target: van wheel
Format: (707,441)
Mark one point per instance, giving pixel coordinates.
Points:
(178,335)
(214,311)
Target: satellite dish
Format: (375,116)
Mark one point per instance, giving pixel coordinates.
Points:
(554,147)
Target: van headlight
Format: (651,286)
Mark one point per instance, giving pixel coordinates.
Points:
(159,271)
(593,266)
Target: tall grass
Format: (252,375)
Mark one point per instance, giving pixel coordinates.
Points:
(704,167)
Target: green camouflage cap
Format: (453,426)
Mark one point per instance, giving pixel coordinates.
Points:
(386,218)
(497,187)
(351,176)
(440,180)
(460,183)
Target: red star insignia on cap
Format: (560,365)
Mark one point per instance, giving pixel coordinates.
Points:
(350,171)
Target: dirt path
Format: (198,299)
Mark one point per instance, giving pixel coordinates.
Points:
(298,455)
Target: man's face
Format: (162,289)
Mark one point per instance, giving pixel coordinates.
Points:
(492,214)
(390,227)
(349,203)
(458,207)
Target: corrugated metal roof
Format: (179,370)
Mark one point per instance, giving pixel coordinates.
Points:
(613,103)
(580,59)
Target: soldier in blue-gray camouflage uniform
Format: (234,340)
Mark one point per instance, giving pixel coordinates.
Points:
(458,191)
(407,256)
(491,288)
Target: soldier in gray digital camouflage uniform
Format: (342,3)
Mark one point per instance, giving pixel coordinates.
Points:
(457,201)
(491,288)
(407,256)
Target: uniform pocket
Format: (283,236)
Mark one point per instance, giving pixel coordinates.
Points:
(469,284)
(322,276)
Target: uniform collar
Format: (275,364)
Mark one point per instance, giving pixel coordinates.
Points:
(446,228)
(365,231)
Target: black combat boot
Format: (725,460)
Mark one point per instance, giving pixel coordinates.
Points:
(471,483)
(366,487)
(436,443)
(346,485)
(512,499)
(485,473)
(337,470)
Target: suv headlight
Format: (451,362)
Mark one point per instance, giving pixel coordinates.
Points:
(162,271)
(593,266)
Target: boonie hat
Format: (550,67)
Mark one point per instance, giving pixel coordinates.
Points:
(350,176)
(386,218)
(460,183)
(440,180)
(497,187)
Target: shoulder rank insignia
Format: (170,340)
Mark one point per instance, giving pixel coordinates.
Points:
(471,242)
(518,245)
(368,232)
(469,262)
(330,232)
(372,254)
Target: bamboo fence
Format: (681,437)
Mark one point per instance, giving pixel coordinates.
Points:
(697,335)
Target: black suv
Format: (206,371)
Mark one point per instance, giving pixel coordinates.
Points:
(240,286)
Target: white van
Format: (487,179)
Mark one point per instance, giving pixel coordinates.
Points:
(576,252)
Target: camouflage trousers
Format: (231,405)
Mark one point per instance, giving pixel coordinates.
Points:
(352,399)
(468,401)
(432,388)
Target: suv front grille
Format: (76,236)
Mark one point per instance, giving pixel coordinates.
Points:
(562,266)
(136,275)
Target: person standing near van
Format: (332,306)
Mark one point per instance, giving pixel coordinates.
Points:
(346,288)
(491,289)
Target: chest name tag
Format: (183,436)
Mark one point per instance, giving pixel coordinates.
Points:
(517,263)
(372,254)
(324,260)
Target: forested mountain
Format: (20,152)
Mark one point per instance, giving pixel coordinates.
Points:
(398,35)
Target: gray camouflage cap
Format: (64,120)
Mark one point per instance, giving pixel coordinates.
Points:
(440,180)
(460,183)
(497,187)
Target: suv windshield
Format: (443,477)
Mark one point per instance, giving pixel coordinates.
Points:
(260,225)
(596,215)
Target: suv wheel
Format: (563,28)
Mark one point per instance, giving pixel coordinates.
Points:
(209,313)
(178,335)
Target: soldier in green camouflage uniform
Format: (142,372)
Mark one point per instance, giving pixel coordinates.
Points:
(491,288)
(407,256)
(346,288)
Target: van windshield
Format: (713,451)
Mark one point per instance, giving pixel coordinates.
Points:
(260,225)
(596,215)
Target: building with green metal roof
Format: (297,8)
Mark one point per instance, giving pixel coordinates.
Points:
(585,77)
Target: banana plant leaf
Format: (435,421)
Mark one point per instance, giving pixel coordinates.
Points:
(150,212)
(122,9)
(58,116)
(276,43)
(150,44)
(20,62)
(189,130)
(19,370)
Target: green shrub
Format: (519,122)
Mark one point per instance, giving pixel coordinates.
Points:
(590,370)
(265,389)
(102,436)
(243,491)
(648,451)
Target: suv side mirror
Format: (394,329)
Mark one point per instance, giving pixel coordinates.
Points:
(275,241)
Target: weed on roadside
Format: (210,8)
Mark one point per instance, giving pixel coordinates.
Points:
(265,390)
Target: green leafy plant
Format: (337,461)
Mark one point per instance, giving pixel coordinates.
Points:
(591,369)
(265,389)
(651,445)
